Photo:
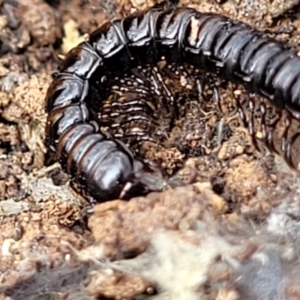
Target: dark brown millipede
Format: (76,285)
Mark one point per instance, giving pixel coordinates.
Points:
(103,165)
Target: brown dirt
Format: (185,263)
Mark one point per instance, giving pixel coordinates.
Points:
(231,232)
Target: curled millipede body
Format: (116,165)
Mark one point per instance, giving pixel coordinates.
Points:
(103,165)
(277,129)
(167,108)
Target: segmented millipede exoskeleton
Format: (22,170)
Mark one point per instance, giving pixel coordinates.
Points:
(276,128)
(164,112)
(104,166)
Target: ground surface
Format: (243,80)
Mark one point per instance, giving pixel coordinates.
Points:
(232,232)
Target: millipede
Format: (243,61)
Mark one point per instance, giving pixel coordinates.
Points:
(103,164)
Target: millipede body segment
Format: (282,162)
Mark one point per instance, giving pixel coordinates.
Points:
(103,165)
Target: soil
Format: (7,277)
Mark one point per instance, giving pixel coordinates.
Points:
(230,231)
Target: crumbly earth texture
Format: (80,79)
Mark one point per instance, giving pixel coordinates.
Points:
(230,231)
